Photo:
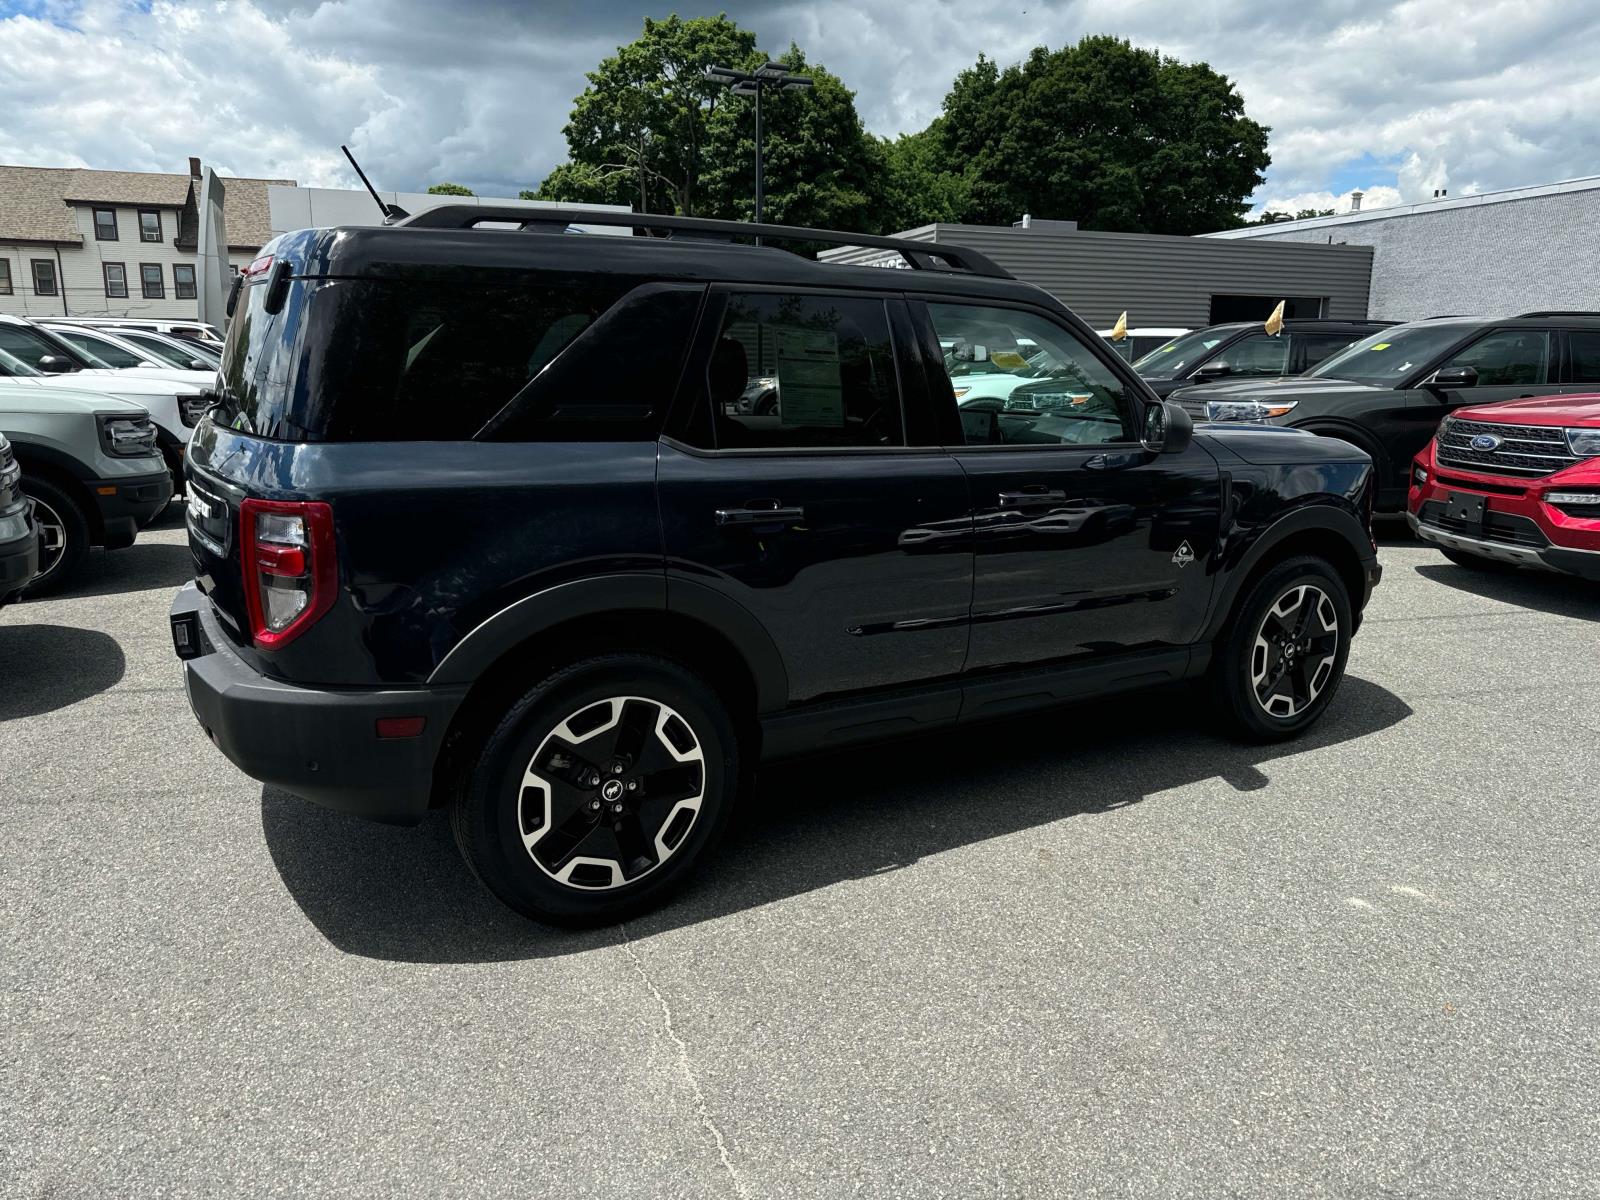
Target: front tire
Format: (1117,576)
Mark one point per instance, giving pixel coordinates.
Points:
(599,791)
(1284,655)
(65,536)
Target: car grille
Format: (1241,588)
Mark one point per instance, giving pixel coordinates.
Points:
(1525,449)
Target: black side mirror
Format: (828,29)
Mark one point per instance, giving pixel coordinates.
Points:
(1212,370)
(50,364)
(1449,378)
(1168,428)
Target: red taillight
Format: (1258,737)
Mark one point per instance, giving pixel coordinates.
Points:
(259,267)
(286,550)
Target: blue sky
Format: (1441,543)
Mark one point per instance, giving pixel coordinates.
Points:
(1394,98)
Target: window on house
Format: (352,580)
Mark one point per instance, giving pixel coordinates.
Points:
(105,224)
(150,279)
(44,277)
(116,280)
(183,281)
(149,225)
(5,278)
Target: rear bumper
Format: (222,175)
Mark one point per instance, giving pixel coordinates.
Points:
(318,744)
(128,503)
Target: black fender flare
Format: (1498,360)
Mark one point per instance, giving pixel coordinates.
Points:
(639,592)
(1323,518)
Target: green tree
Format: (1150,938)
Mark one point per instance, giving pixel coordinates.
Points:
(1115,137)
(1269,217)
(449,189)
(637,134)
(917,188)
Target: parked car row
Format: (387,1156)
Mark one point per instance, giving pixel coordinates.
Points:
(97,425)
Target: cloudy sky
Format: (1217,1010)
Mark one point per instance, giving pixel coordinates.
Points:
(1394,98)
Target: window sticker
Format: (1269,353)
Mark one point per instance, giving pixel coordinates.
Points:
(810,391)
(1381,346)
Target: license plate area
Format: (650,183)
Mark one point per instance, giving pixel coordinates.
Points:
(1466,509)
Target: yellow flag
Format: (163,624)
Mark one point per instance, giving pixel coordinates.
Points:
(1120,329)
(1275,321)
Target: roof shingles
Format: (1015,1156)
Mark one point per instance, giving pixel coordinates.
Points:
(35,202)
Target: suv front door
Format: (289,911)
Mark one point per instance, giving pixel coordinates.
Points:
(835,519)
(1086,543)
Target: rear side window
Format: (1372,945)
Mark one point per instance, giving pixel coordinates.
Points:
(414,360)
(1584,348)
(1316,347)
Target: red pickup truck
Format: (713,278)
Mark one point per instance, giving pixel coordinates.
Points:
(1514,484)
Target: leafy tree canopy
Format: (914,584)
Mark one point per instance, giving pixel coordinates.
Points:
(449,189)
(1272,218)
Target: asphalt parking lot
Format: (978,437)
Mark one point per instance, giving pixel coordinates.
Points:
(1094,953)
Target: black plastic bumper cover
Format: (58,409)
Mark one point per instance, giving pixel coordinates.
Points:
(320,745)
(136,501)
(19,562)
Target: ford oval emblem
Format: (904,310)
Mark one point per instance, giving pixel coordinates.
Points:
(1487,441)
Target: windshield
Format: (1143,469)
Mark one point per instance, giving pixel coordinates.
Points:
(1390,354)
(1181,353)
(11,365)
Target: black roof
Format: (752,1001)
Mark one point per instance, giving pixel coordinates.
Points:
(442,241)
(1305,322)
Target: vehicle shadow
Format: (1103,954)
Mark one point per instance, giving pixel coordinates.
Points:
(46,667)
(140,567)
(1558,595)
(406,895)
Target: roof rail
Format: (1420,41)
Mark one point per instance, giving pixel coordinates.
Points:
(1326,321)
(1561,312)
(921,256)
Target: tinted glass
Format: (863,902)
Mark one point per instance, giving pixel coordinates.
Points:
(805,372)
(1316,347)
(159,351)
(1384,358)
(1257,354)
(393,360)
(30,345)
(112,356)
(1507,357)
(1061,393)
(1181,353)
(12,366)
(1584,347)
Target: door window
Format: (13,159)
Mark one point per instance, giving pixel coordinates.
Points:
(1257,354)
(1050,388)
(1315,347)
(1508,357)
(804,372)
(1584,348)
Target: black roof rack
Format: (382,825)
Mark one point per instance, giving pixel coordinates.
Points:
(1561,312)
(921,256)
(1330,321)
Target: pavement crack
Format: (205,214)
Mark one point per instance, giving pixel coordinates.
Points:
(685,1064)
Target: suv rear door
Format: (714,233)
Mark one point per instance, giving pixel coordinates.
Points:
(835,520)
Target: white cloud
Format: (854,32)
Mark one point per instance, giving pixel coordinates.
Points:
(1409,95)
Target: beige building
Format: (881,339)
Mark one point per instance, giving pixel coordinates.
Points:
(86,243)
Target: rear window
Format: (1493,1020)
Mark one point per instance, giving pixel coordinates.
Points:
(416,360)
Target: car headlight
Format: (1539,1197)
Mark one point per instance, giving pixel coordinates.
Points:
(194,405)
(1247,410)
(128,437)
(1585,443)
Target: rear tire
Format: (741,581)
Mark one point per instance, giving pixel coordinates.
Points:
(598,792)
(1476,562)
(1282,659)
(66,536)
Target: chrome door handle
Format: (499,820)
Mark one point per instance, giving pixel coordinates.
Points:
(1033,495)
(758,514)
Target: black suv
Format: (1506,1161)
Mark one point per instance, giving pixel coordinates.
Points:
(1388,392)
(1245,350)
(477,523)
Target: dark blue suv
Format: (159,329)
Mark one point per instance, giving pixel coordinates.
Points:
(478,523)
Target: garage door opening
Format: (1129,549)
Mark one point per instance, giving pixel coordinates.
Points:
(1259,308)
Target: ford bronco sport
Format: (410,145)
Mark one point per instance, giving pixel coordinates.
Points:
(478,523)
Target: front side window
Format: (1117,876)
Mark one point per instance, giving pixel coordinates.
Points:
(183,281)
(1058,391)
(1584,348)
(804,372)
(1318,347)
(1260,354)
(5,277)
(105,224)
(106,352)
(1171,360)
(44,277)
(151,282)
(149,225)
(116,279)
(28,344)
(1508,357)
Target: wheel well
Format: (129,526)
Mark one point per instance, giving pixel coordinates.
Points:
(64,480)
(685,640)
(1325,544)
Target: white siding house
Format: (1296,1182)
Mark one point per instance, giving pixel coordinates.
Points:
(114,243)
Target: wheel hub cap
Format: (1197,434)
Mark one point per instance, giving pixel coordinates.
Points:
(1295,651)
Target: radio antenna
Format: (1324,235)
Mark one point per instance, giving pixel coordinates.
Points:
(391,212)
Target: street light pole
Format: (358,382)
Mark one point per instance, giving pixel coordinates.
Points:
(753,83)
